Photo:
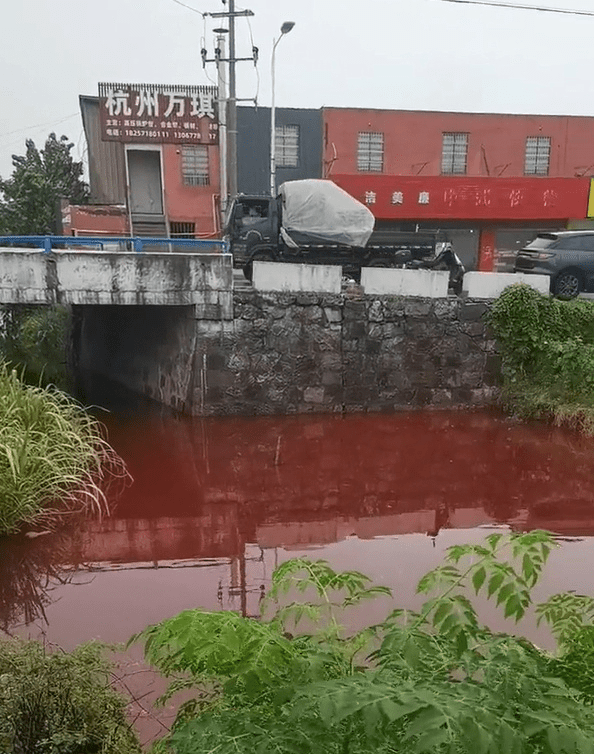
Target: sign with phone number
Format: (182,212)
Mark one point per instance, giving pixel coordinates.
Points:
(144,113)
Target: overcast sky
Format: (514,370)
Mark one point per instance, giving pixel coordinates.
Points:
(394,54)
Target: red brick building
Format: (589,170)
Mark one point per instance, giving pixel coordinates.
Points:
(490,180)
(153,171)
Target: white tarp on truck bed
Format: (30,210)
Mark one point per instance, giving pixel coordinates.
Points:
(323,212)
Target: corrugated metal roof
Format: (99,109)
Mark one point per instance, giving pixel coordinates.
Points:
(107,167)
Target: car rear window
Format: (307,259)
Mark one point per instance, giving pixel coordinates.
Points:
(578,243)
(543,241)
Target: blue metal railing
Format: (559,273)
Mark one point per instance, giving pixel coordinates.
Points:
(135,243)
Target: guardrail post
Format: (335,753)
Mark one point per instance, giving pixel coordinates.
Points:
(47,244)
(137,245)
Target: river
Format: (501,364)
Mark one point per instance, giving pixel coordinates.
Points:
(215,504)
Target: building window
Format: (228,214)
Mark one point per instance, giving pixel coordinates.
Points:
(182,230)
(286,146)
(195,166)
(370,152)
(538,153)
(454,152)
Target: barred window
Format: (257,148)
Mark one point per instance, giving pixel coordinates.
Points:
(195,166)
(538,153)
(182,230)
(370,152)
(286,146)
(454,153)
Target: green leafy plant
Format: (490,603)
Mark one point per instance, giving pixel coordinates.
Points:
(547,349)
(33,340)
(53,456)
(54,702)
(432,680)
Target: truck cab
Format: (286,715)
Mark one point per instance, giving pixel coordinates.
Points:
(250,220)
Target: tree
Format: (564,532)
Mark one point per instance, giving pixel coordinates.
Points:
(29,198)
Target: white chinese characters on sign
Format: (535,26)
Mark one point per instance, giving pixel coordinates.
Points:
(450,196)
(175,101)
(150,112)
(397,197)
(147,101)
(370,197)
(483,197)
(202,105)
(423,197)
(515,197)
(117,102)
(549,198)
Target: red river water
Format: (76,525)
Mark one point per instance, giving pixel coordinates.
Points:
(215,504)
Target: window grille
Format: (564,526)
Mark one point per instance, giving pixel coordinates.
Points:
(286,146)
(370,152)
(195,166)
(454,153)
(538,153)
(182,230)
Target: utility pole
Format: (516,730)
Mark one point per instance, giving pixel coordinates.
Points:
(232,107)
(222,87)
(231,114)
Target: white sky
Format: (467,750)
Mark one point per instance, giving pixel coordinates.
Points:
(393,54)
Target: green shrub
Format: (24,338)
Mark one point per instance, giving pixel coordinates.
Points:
(53,457)
(60,703)
(547,349)
(33,339)
(433,680)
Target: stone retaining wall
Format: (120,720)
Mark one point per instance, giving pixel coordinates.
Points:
(289,353)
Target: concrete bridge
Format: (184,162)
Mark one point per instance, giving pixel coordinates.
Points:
(169,325)
(118,278)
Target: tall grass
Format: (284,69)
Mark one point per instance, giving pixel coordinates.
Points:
(54,702)
(53,456)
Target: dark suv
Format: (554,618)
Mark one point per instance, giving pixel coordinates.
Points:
(567,257)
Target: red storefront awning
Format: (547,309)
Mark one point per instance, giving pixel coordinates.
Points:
(393,197)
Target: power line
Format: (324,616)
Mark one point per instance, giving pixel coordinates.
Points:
(39,125)
(542,9)
(189,7)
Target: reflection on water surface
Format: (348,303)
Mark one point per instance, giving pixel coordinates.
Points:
(216,503)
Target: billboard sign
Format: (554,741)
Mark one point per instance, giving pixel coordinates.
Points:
(394,197)
(158,113)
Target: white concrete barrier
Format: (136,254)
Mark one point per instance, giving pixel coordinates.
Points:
(285,276)
(492,284)
(426,283)
(124,278)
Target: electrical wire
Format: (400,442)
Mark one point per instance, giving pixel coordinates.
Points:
(39,125)
(189,7)
(515,6)
(249,23)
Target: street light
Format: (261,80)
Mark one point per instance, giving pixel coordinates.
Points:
(285,29)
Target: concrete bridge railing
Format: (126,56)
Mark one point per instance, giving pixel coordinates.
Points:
(30,276)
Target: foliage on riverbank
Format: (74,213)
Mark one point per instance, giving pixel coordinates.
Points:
(53,457)
(33,340)
(433,680)
(54,702)
(547,349)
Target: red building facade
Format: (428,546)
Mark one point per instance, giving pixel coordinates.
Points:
(491,181)
(153,163)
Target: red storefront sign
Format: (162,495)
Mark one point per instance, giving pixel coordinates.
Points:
(156,113)
(392,197)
